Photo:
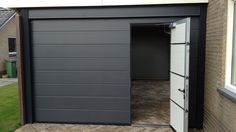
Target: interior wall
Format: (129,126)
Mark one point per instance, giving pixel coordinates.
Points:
(150,53)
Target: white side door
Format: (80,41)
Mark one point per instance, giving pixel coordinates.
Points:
(179,73)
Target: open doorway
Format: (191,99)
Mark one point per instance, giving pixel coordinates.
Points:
(150,66)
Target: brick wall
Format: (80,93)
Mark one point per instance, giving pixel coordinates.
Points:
(219,112)
(8,31)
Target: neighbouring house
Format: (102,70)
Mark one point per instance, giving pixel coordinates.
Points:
(169,63)
(7,37)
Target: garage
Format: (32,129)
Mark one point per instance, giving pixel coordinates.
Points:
(79,65)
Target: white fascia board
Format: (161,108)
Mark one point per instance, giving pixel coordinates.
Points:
(71,3)
(48,3)
(146,2)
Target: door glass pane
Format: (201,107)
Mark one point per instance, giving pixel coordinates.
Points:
(234,50)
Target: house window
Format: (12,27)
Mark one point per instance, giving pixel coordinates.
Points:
(12,44)
(230,78)
(12,47)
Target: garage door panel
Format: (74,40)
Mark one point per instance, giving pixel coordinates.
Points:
(81,70)
(77,77)
(177,82)
(179,114)
(177,64)
(83,37)
(82,103)
(176,33)
(81,64)
(81,51)
(79,25)
(82,116)
(98,90)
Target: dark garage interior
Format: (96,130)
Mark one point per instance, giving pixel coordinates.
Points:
(150,62)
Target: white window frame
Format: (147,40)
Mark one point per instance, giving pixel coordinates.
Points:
(229,47)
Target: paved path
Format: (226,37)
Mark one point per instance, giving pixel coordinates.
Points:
(7,81)
(49,127)
(44,127)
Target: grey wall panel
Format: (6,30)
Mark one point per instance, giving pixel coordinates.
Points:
(84,37)
(82,103)
(76,77)
(195,23)
(194,36)
(106,12)
(81,51)
(98,90)
(150,53)
(81,64)
(82,116)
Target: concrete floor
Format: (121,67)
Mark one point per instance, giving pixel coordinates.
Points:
(150,113)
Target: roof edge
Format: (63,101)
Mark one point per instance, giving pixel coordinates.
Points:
(5,23)
(13,4)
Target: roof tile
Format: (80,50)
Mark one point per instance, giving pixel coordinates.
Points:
(5,15)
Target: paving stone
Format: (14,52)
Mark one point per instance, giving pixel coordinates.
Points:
(44,127)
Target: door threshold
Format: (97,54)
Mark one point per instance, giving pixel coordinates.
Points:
(151,125)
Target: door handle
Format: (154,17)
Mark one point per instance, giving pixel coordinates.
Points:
(182,90)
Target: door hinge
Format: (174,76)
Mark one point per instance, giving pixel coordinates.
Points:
(172,25)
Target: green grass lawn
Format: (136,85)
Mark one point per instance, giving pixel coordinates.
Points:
(9,108)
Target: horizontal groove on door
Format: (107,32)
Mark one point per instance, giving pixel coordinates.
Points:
(78,70)
(86,64)
(76,43)
(178,43)
(82,103)
(82,97)
(72,31)
(81,51)
(80,37)
(82,77)
(82,110)
(74,57)
(178,74)
(79,116)
(79,25)
(98,90)
(61,83)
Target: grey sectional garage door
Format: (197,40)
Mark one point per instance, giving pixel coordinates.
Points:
(81,71)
